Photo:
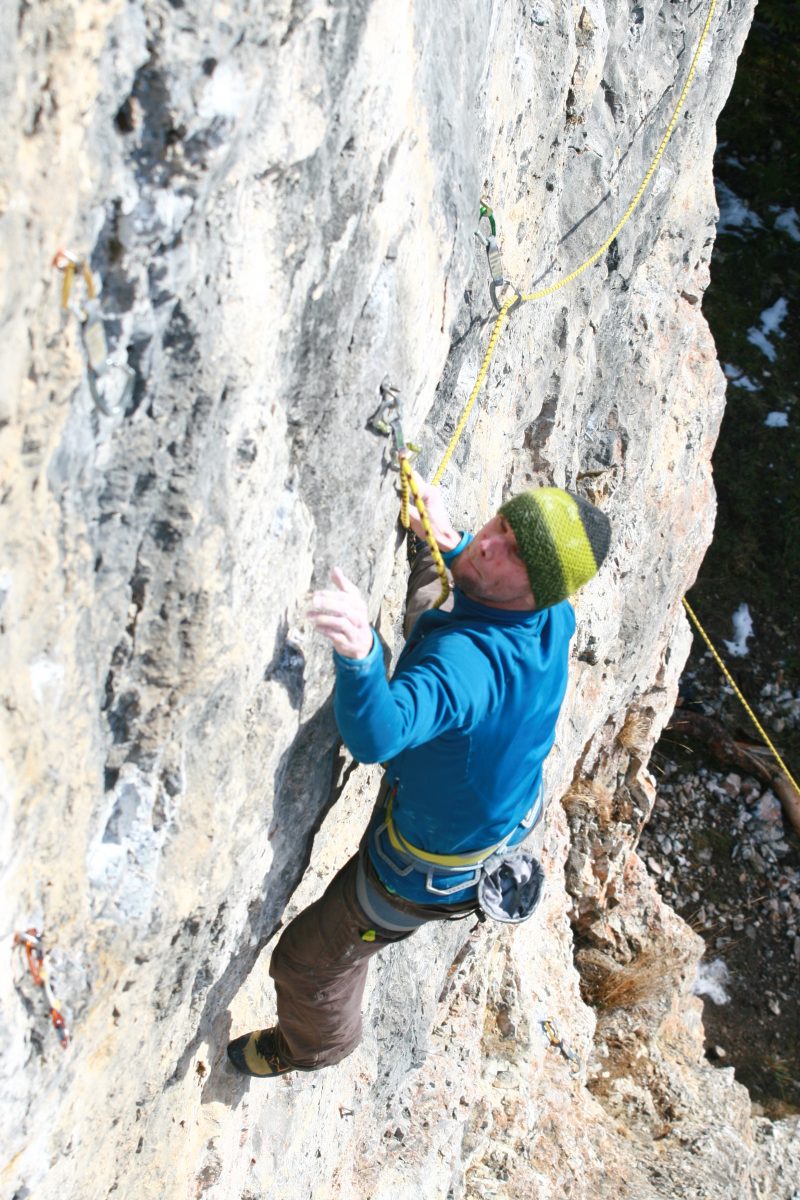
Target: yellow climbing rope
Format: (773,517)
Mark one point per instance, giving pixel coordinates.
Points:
(649,173)
(526,297)
(745,705)
(502,316)
(409,484)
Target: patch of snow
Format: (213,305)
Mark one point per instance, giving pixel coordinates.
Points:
(711,980)
(736,376)
(742,630)
(757,338)
(777,420)
(734,215)
(789,222)
(773,317)
(771,320)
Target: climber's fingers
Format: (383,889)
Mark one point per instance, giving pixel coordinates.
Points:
(343,583)
(342,616)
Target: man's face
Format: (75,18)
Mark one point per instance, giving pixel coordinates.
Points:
(491,570)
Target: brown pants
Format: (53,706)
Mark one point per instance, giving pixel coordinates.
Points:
(320,967)
(320,962)
(423,589)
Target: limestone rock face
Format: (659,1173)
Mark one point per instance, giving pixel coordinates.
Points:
(276,203)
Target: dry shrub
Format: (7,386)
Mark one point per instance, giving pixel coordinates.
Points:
(587,796)
(635,731)
(605,984)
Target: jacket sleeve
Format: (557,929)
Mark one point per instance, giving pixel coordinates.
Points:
(377,719)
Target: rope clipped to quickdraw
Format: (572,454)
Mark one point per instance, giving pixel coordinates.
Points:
(495,258)
(99,362)
(495,264)
(388,420)
(31,943)
(408,483)
(717,659)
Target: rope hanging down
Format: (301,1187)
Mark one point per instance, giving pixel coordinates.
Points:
(739,695)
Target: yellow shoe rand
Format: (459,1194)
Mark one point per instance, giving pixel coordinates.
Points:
(257,1063)
(246,1056)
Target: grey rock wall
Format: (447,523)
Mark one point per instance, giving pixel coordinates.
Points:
(277,201)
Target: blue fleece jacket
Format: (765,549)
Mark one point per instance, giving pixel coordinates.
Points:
(464,726)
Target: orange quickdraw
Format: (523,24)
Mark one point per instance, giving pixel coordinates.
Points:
(70,266)
(32,944)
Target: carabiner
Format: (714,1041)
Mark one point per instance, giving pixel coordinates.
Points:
(70,266)
(92,332)
(31,943)
(495,258)
(388,420)
(504,283)
(557,1041)
(487,211)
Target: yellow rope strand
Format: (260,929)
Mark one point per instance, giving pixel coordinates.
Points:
(554,287)
(651,170)
(405,519)
(473,396)
(739,695)
(407,482)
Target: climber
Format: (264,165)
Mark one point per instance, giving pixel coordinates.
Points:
(464,727)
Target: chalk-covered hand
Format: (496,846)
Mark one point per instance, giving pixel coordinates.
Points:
(342,616)
(446,536)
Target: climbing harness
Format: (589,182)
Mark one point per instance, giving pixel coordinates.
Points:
(508,880)
(99,363)
(556,1040)
(499,281)
(718,660)
(31,942)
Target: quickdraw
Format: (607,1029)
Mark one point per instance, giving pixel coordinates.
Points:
(555,1040)
(31,942)
(388,420)
(92,333)
(495,258)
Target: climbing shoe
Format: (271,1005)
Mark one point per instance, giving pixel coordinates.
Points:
(414,545)
(257,1054)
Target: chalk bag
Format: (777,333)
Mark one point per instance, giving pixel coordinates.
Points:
(510,890)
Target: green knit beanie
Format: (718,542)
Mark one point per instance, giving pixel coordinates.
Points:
(562,538)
